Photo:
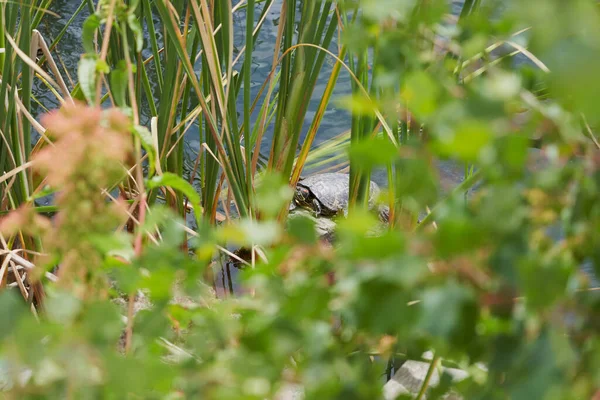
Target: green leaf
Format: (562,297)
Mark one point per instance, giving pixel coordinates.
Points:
(248,232)
(554,273)
(86,73)
(415,184)
(101,323)
(540,370)
(272,193)
(264,233)
(136,28)
(178,183)
(379,247)
(420,93)
(77,93)
(90,26)
(466,141)
(12,309)
(358,104)
(115,244)
(357,38)
(62,307)
(474,45)
(449,313)
(373,152)
(146,140)
(160,215)
(381,306)
(102,66)
(383,9)
(159,283)
(302,228)
(118,83)
(454,225)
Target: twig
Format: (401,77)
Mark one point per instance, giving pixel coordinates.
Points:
(589,130)
(17,259)
(104,50)
(432,367)
(138,252)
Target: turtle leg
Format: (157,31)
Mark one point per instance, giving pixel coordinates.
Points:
(317,207)
(292,206)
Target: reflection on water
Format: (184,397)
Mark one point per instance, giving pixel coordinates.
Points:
(335,121)
(225,279)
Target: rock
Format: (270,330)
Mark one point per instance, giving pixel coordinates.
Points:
(12,377)
(410,377)
(408,380)
(290,392)
(324,227)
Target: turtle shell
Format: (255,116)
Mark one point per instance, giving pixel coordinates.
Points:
(332,191)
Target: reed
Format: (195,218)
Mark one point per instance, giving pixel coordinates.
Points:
(193,79)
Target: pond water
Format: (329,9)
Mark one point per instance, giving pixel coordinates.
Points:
(336,120)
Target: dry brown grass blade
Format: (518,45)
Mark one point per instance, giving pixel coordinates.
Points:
(104,50)
(17,259)
(40,43)
(36,125)
(4,270)
(32,64)
(529,55)
(19,280)
(209,47)
(15,171)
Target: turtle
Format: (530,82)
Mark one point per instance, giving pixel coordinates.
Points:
(326,194)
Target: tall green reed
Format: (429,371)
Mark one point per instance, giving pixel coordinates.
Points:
(17,20)
(198,82)
(192,78)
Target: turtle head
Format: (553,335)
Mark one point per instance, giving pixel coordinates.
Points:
(302,195)
(384,213)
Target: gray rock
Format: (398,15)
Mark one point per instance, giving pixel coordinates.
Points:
(12,377)
(324,226)
(410,377)
(290,392)
(408,380)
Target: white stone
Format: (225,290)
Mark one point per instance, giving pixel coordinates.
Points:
(411,375)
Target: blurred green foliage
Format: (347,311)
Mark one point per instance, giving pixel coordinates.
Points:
(496,282)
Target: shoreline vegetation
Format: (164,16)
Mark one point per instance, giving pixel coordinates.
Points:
(477,120)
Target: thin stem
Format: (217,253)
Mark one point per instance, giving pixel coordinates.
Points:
(104,51)
(432,367)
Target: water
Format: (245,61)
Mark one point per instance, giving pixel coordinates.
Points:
(335,121)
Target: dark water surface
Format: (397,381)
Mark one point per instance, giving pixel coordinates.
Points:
(336,120)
